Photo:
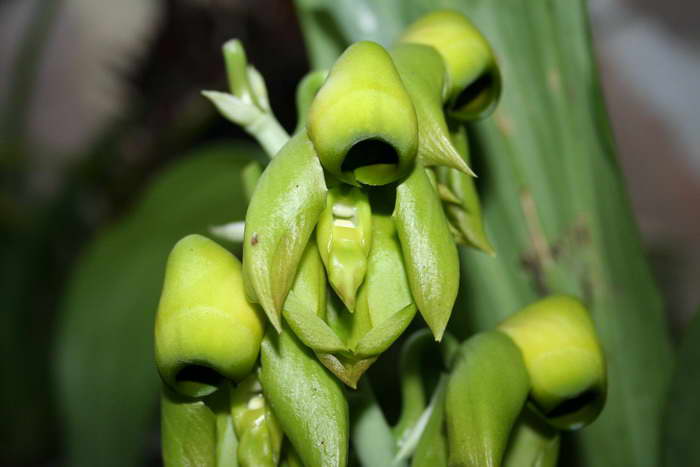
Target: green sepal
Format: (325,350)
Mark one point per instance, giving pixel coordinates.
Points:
(305,307)
(348,369)
(188,431)
(344,238)
(305,93)
(485,394)
(422,71)
(307,400)
(259,434)
(281,217)
(461,200)
(533,443)
(362,121)
(382,335)
(474,79)
(346,366)
(387,285)
(564,359)
(205,330)
(429,250)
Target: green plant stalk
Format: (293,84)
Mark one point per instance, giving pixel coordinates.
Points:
(556,210)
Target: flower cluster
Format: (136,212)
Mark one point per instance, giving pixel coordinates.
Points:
(351,230)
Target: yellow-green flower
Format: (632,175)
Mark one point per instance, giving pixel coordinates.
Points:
(563,357)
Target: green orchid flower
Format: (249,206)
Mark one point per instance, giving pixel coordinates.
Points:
(564,359)
(380,231)
(474,81)
(205,332)
(362,121)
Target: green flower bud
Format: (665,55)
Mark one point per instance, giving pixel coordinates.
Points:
(188,431)
(306,91)
(307,401)
(362,121)
(429,250)
(485,394)
(460,200)
(423,73)
(564,359)
(259,434)
(205,329)
(344,234)
(474,79)
(286,205)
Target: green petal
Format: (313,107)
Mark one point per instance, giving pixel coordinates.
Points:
(429,250)
(387,285)
(283,212)
(362,121)
(205,329)
(564,359)
(422,71)
(308,402)
(485,394)
(305,307)
(474,79)
(381,336)
(348,369)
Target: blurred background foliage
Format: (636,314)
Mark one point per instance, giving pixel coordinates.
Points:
(109,154)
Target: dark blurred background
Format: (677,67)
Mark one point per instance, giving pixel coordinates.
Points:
(97,96)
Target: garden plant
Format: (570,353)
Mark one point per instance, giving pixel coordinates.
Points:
(448,209)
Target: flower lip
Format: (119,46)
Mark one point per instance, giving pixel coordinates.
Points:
(372,161)
(478,99)
(197,380)
(362,121)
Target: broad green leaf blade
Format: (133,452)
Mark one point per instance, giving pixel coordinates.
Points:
(106,377)
(682,418)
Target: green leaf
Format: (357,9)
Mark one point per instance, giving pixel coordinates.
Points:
(106,377)
(682,418)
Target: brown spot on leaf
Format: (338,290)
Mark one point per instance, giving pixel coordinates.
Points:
(254,239)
